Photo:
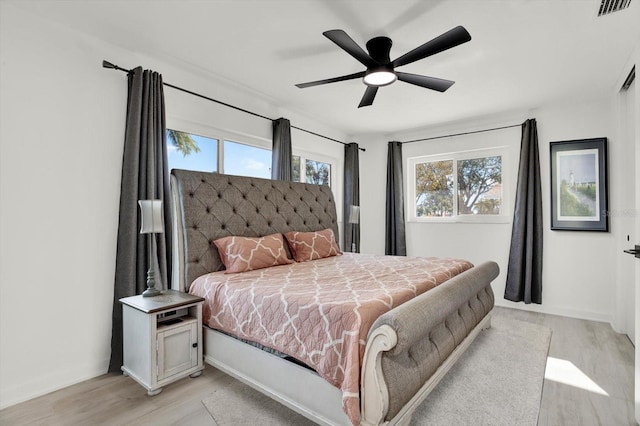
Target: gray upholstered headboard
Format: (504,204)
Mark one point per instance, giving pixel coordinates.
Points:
(208,206)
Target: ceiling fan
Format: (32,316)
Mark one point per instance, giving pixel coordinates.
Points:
(381,70)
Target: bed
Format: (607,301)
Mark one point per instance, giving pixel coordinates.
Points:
(404,351)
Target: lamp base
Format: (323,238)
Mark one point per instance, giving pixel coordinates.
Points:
(151,292)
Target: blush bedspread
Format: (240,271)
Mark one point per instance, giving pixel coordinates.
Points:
(320,312)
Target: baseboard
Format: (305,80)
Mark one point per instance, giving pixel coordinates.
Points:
(556,310)
(44,384)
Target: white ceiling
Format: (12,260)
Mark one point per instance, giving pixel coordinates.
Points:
(523,53)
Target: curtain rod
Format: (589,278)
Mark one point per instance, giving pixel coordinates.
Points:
(460,134)
(107,64)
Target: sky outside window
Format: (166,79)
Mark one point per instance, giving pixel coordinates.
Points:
(246,160)
(206,160)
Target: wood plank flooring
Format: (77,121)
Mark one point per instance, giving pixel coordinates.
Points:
(593,350)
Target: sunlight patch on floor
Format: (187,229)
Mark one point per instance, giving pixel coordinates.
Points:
(565,372)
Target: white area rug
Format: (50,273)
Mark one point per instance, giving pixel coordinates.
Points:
(498,381)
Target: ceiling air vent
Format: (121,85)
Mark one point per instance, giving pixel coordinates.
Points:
(610,6)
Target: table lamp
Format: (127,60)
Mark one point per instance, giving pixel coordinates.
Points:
(151,212)
(354,219)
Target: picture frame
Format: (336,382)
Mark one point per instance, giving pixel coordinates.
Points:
(579,185)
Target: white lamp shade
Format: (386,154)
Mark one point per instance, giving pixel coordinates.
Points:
(354,214)
(151,211)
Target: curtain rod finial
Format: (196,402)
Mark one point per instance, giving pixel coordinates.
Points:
(107,64)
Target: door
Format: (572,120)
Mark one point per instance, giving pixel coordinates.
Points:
(631,132)
(177,348)
(629,266)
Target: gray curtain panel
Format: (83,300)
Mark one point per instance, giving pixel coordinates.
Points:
(351,195)
(145,176)
(524,274)
(395,242)
(281,167)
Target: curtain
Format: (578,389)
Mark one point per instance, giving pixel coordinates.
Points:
(395,243)
(524,274)
(351,195)
(281,168)
(145,175)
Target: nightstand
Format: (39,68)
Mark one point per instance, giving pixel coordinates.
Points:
(162,338)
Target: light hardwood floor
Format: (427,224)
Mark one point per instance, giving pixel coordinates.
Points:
(593,348)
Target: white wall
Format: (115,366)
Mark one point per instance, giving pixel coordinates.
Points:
(579,267)
(61,137)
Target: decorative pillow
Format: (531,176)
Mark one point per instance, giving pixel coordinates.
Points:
(312,245)
(240,254)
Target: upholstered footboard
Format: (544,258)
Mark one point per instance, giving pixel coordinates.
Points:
(411,347)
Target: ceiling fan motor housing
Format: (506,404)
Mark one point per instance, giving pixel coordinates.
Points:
(380,74)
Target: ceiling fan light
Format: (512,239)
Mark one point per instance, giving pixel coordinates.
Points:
(379,78)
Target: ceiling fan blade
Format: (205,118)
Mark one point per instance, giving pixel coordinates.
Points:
(432,83)
(347,44)
(451,38)
(369,96)
(331,80)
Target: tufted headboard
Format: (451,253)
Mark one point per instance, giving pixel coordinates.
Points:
(208,206)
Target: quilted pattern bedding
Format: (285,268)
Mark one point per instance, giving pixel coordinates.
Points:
(320,312)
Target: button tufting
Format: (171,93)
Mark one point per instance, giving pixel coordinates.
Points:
(208,210)
(219,195)
(202,180)
(257,210)
(248,224)
(223,226)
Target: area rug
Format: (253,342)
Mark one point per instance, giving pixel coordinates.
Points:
(498,381)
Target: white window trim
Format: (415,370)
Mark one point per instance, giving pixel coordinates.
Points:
(504,217)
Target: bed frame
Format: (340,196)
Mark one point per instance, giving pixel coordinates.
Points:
(408,350)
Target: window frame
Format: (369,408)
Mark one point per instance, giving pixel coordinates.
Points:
(307,155)
(506,204)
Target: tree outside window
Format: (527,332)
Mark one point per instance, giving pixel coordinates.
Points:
(480,185)
(317,172)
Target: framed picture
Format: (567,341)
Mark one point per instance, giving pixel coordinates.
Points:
(579,199)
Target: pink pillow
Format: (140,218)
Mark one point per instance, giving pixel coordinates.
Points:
(240,254)
(312,245)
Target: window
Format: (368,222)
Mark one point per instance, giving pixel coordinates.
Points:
(457,187)
(192,152)
(246,160)
(318,172)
